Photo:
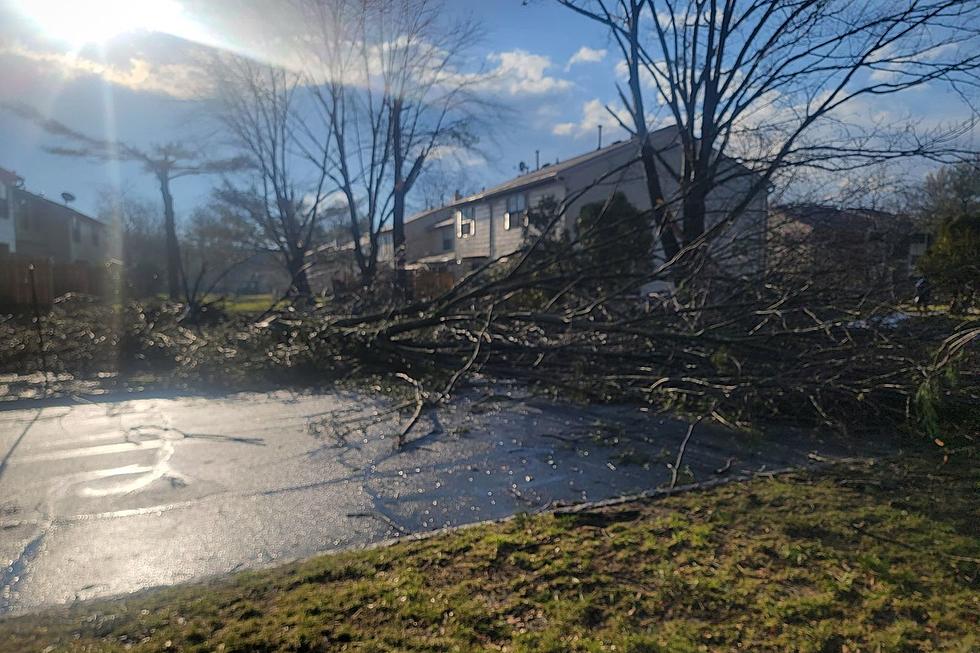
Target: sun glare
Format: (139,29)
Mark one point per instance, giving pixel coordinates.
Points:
(96,21)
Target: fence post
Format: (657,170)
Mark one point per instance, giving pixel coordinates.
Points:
(37,325)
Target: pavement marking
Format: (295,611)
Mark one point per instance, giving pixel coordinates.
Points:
(111,434)
(98,450)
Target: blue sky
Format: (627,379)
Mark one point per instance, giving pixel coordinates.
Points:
(555,69)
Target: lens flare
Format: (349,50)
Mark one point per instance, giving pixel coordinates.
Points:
(97,21)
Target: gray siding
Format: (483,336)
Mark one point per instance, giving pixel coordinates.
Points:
(595,179)
(477,244)
(423,239)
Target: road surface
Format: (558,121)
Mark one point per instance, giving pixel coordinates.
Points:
(100,499)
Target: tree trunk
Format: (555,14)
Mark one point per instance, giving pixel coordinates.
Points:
(695,209)
(173,248)
(661,214)
(299,284)
(398,213)
(658,203)
(367,274)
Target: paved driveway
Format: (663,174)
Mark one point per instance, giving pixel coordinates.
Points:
(106,498)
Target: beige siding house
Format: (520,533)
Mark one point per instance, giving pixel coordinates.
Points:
(490,224)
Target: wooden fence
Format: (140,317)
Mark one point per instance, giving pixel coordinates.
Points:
(50,280)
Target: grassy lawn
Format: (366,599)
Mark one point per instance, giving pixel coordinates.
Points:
(248,303)
(852,558)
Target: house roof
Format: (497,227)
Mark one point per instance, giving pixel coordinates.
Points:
(543,174)
(34,197)
(819,216)
(446,257)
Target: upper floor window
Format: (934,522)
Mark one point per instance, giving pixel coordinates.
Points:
(4,209)
(516,214)
(447,241)
(465,221)
(76,230)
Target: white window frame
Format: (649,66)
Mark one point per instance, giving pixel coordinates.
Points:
(520,212)
(469,221)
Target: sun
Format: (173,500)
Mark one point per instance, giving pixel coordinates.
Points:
(83,22)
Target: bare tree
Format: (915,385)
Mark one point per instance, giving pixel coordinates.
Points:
(257,104)
(138,225)
(217,243)
(166,162)
(766,83)
(389,85)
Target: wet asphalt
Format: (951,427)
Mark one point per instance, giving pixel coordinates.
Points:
(99,499)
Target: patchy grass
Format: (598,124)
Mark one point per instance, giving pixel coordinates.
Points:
(251,304)
(854,558)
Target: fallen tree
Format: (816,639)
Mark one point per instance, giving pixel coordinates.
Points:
(740,350)
(778,347)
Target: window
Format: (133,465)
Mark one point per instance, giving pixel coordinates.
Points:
(447,241)
(516,214)
(465,221)
(4,209)
(76,230)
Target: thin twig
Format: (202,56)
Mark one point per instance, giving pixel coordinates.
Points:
(680,452)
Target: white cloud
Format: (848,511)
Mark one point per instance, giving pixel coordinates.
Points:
(586,54)
(521,72)
(460,155)
(138,74)
(594,113)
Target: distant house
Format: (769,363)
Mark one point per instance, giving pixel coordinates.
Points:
(491,224)
(70,251)
(854,247)
(9,182)
(47,229)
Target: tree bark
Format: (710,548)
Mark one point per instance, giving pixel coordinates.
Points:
(661,213)
(398,213)
(299,281)
(173,248)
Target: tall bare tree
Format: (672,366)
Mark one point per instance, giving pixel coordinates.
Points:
(389,83)
(768,84)
(257,104)
(166,162)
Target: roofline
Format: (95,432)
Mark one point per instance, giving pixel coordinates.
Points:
(61,206)
(493,192)
(588,157)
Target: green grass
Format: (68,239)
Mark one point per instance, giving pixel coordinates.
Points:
(239,304)
(854,558)
(249,303)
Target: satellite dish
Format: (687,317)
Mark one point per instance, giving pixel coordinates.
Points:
(68,197)
(522,167)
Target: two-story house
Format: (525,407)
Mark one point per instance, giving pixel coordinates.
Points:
(69,251)
(47,229)
(33,226)
(491,224)
(8,236)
